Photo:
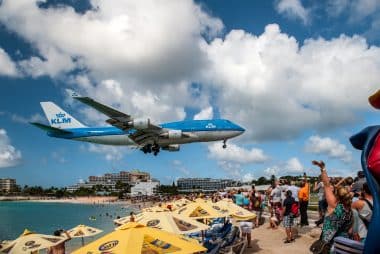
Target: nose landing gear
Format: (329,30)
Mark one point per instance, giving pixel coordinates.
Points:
(224,144)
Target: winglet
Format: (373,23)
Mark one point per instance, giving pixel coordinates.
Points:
(72,93)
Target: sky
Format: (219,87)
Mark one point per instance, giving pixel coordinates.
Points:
(296,74)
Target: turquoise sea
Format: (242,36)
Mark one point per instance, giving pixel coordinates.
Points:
(45,218)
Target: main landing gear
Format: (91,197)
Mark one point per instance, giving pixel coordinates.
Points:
(149,148)
(224,144)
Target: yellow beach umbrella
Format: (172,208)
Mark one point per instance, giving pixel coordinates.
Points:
(171,222)
(30,242)
(239,213)
(83,231)
(182,202)
(200,210)
(134,238)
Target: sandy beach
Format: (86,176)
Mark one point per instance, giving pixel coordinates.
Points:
(269,241)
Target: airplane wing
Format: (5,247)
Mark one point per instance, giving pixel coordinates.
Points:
(145,130)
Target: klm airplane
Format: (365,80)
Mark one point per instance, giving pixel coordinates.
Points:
(139,133)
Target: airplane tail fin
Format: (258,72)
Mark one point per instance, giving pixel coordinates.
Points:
(58,118)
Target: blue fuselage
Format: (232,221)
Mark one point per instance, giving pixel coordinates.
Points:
(194,130)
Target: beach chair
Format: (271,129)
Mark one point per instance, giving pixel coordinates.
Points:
(344,245)
(237,248)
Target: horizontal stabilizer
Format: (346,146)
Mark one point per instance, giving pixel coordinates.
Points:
(50,129)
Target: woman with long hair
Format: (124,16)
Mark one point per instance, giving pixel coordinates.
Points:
(338,218)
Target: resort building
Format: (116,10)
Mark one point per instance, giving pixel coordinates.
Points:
(145,188)
(202,184)
(109,181)
(7,184)
(123,176)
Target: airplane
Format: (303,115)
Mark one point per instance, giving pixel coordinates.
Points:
(138,133)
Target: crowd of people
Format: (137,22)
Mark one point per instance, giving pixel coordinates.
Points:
(344,206)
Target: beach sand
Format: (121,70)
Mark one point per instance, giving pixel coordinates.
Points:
(270,241)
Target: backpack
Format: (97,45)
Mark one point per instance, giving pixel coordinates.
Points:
(294,210)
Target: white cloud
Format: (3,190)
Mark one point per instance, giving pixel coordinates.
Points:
(206,113)
(178,166)
(9,155)
(234,153)
(58,156)
(33,118)
(149,50)
(280,88)
(293,165)
(336,7)
(274,170)
(110,153)
(7,66)
(232,169)
(328,146)
(293,9)
(143,58)
(248,177)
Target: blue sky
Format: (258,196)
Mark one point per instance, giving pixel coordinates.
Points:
(295,74)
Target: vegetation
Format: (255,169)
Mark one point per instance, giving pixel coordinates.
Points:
(168,189)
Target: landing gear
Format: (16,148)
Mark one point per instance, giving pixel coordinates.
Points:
(149,148)
(224,144)
(155,149)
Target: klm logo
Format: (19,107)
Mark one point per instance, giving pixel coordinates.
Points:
(60,119)
(210,126)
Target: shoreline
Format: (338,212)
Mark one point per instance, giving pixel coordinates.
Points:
(76,200)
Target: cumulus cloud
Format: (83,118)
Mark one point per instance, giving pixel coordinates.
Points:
(235,153)
(7,66)
(280,88)
(150,51)
(206,113)
(33,118)
(178,166)
(231,169)
(110,153)
(9,155)
(144,58)
(248,177)
(293,9)
(293,165)
(274,170)
(329,147)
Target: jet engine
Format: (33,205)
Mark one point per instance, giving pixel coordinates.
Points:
(140,124)
(172,134)
(172,148)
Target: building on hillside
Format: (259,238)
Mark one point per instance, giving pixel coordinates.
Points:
(145,188)
(7,184)
(202,184)
(108,181)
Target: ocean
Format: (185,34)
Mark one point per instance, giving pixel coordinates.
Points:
(45,218)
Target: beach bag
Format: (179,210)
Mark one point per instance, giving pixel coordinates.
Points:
(294,210)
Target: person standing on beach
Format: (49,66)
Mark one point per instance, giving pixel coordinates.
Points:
(60,248)
(288,216)
(239,198)
(322,203)
(303,196)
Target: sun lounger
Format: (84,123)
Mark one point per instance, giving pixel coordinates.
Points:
(344,245)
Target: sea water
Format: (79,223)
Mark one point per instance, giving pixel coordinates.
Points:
(45,218)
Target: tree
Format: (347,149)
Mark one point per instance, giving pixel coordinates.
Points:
(262,181)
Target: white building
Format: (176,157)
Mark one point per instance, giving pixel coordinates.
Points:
(144,188)
(7,184)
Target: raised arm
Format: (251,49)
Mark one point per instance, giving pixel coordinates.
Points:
(330,197)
